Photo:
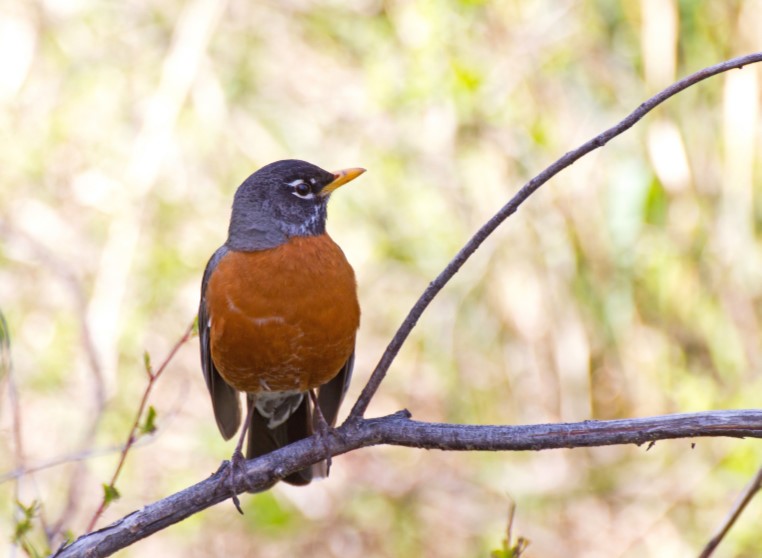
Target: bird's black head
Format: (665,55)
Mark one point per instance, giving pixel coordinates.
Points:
(283,200)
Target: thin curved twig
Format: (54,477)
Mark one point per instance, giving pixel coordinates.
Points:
(132,437)
(747,496)
(508,209)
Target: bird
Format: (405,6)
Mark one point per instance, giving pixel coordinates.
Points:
(279,312)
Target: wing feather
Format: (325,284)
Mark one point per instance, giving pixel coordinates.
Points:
(225,400)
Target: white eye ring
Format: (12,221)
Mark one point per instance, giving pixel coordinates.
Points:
(301,189)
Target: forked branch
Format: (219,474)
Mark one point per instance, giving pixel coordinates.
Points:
(399,430)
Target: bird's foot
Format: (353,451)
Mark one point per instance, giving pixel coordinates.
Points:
(322,429)
(231,471)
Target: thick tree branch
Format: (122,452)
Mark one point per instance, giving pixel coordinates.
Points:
(399,430)
(510,208)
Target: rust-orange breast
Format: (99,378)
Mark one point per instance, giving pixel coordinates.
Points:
(284,318)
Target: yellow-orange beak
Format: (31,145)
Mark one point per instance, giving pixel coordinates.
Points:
(340,178)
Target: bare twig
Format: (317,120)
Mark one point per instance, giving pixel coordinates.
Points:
(751,490)
(508,209)
(399,430)
(90,453)
(131,438)
(20,472)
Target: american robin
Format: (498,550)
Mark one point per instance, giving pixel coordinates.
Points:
(279,311)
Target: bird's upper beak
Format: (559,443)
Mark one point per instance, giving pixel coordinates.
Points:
(340,178)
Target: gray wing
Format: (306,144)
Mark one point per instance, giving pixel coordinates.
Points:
(225,401)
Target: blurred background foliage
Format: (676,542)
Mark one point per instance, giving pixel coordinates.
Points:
(628,286)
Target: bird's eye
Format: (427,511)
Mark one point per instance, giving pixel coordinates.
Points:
(302,189)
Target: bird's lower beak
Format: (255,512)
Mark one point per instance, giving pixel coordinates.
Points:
(340,178)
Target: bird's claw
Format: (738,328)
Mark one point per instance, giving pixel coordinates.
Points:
(231,470)
(322,429)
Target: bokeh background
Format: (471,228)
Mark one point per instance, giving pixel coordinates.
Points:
(630,285)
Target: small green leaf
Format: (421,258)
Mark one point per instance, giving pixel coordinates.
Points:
(194,329)
(509,548)
(24,525)
(110,493)
(147,363)
(29,511)
(149,424)
(5,347)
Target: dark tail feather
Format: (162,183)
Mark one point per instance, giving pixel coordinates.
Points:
(298,426)
(332,394)
(262,440)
